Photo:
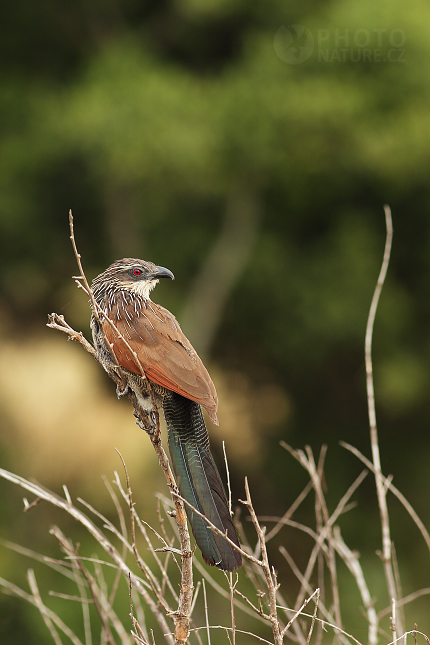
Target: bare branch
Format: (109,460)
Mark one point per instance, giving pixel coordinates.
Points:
(351,560)
(41,607)
(316,595)
(181,616)
(404,601)
(269,573)
(380,488)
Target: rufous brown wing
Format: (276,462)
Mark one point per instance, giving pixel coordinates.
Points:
(163,351)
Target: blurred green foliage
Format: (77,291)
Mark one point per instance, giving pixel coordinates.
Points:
(149,118)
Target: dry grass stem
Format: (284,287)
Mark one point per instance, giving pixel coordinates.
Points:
(351,560)
(380,487)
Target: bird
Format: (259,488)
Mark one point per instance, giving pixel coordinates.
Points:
(132,333)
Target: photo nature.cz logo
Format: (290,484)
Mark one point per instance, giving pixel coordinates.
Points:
(295,44)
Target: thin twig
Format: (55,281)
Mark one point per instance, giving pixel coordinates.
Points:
(290,511)
(124,533)
(58,565)
(142,639)
(303,579)
(404,601)
(41,607)
(224,594)
(239,631)
(314,618)
(227,470)
(99,595)
(315,595)
(352,562)
(206,612)
(232,586)
(345,635)
(379,479)
(390,486)
(80,583)
(141,524)
(269,573)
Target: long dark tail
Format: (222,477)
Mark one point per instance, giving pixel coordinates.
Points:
(199,482)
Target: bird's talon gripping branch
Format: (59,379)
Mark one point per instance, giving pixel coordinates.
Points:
(154,421)
(121,391)
(144,421)
(139,423)
(150,349)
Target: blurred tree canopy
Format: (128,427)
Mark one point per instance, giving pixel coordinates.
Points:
(176,133)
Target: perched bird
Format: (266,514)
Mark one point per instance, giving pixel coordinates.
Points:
(180,384)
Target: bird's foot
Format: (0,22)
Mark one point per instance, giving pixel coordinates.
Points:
(145,421)
(153,416)
(121,391)
(174,489)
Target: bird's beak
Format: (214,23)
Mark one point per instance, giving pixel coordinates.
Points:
(162,272)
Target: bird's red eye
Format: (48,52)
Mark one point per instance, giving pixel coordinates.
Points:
(137,271)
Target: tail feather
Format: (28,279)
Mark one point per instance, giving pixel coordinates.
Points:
(199,481)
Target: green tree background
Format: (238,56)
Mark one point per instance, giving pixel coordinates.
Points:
(181,132)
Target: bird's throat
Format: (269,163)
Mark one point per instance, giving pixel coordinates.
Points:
(142,288)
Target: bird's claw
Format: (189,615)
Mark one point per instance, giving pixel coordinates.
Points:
(120,391)
(143,427)
(149,426)
(153,418)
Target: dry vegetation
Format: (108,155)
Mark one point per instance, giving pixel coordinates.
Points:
(157,567)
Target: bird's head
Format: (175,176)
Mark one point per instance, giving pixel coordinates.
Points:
(130,274)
